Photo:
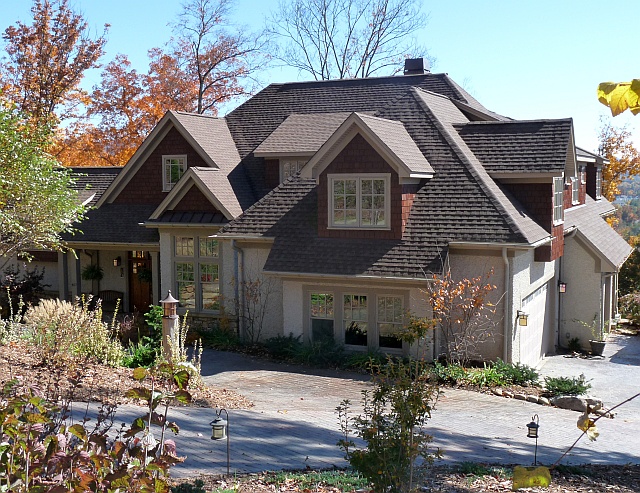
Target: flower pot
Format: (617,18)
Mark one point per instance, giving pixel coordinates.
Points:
(597,347)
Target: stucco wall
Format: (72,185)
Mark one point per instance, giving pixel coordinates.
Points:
(582,301)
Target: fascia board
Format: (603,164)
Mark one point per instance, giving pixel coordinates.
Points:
(585,240)
(276,155)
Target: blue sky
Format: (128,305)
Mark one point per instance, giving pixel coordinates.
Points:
(522,58)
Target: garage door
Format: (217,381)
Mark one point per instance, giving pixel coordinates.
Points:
(531,337)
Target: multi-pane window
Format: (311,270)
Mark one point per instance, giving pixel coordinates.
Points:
(185,282)
(173,168)
(575,190)
(197,272)
(598,183)
(390,321)
(289,167)
(558,189)
(355,316)
(359,202)
(321,316)
(583,174)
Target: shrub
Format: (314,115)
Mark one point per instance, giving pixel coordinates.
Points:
(567,386)
(154,321)
(365,361)
(630,307)
(517,373)
(325,352)
(60,328)
(394,414)
(17,290)
(574,345)
(143,353)
(283,348)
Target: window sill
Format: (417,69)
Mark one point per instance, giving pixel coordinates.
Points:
(359,228)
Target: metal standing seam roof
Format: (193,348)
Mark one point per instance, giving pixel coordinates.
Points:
(596,231)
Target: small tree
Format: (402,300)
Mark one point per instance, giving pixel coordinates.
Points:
(463,312)
(37,201)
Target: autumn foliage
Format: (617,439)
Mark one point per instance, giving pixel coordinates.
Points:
(624,159)
(464,313)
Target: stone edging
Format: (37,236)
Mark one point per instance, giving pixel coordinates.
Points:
(570,402)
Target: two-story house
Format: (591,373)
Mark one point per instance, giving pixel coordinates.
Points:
(341,199)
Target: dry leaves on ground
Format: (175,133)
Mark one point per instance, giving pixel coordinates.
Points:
(84,380)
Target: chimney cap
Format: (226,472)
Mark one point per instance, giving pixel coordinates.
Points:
(415,66)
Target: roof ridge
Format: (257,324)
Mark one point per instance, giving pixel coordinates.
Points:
(512,122)
(475,168)
(398,122)
(198,115)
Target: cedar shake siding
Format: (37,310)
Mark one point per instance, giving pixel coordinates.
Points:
(271,172)
(359,157)
(146,186)
(194,200)
(537,198)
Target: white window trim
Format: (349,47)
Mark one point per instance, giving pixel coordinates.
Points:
(558,181)
(575,190)
(598,183)
(583,174)
(196,259)
(358,177)
(165,185)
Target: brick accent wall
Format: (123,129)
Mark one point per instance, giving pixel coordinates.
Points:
(359,157)
(272,173)
(538,200)
(146,186)
(195,200)
(408,195)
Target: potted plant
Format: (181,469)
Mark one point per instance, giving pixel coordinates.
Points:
(599,334)
(92,272)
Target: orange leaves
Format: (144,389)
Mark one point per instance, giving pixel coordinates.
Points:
(624,159)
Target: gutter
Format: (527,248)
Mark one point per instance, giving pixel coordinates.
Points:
(507,318)
(238,256)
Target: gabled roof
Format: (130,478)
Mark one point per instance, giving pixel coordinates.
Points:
(300,135)
(595,232)
(536,146)
(388,137)
(215,186)
(209,137)
(589,157)
(91,183)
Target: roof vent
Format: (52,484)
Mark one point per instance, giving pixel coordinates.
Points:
(416,66)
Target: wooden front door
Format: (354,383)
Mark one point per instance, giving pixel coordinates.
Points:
(140,282)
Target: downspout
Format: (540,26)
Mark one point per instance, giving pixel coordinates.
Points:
(561,298)
(238,256)
(507,318)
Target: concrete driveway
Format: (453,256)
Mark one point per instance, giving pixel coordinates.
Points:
(294,425)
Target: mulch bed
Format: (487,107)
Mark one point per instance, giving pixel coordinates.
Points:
(441,479)
(87,381)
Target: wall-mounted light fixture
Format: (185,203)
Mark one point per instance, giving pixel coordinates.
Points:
(562,287)
(523,318)
(117,262)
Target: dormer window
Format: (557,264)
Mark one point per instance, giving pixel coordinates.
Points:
(575,190)
(173,168)
(558,189)
(289,167)
(359,201)
(598,183)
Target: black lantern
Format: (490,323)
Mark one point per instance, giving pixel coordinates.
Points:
(532,432)
(117,262)
(220,430)
(562,287)
(523,318)
(169,306)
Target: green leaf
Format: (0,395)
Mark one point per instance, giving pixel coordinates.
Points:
(140,373)
(183,396)
(138,393)
(78,431)
(181,378)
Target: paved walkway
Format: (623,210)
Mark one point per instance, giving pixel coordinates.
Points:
(294,425)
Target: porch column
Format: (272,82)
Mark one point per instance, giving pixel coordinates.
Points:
(63,275)
(78,277)
(155,283)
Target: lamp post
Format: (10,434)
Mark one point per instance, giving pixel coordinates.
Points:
(220,430)
(169,323)
(532,432)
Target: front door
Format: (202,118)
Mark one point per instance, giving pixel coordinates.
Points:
(140,279)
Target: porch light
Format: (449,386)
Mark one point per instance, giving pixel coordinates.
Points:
(169,306)
(562,287)
(117,262)
(220,430)
(523,318)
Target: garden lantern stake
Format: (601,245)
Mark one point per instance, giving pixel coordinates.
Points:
(532,432)
(220,430)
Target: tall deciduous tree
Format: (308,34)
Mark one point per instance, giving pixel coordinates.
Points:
(37,200)
(624,159)
(47,60)
(336,39)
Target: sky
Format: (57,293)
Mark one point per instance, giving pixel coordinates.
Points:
(526,59)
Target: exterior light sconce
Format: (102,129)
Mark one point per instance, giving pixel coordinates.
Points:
(220,430)
(117,262)
(523,318)
(562,287)
(532,432)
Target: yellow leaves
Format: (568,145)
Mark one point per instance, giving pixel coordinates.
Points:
(620,96)
(586,424)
